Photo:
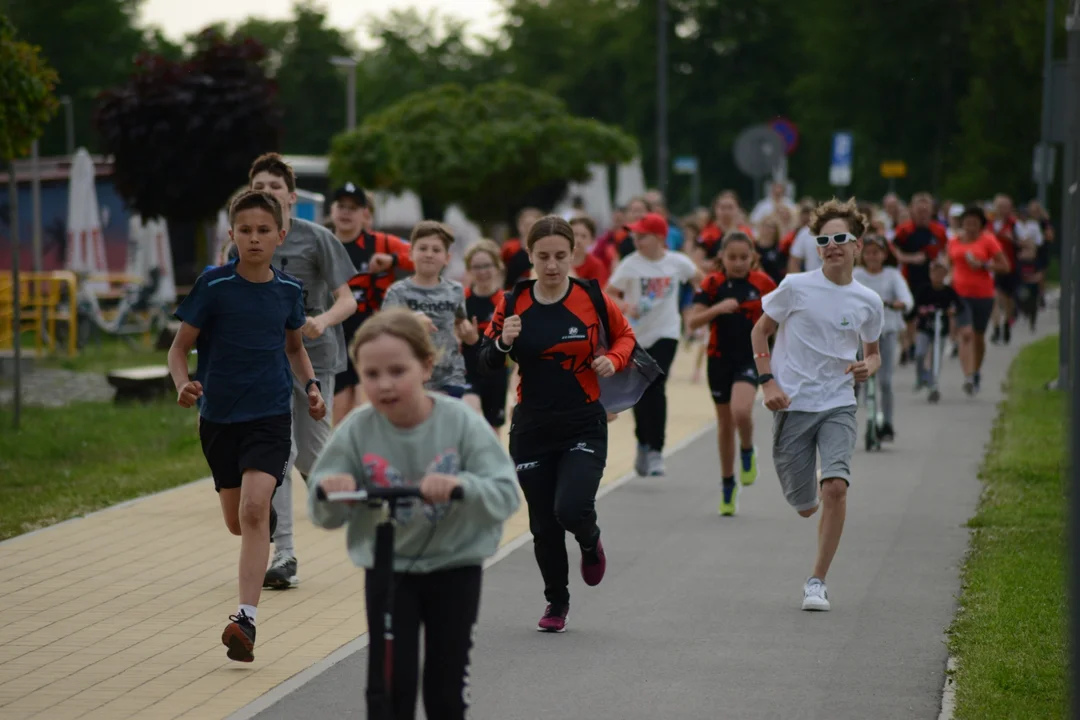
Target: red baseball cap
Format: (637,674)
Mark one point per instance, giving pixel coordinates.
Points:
(651,224)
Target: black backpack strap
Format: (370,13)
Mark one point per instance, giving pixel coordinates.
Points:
(512,297)
(592,287)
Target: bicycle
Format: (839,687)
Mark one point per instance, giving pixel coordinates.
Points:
(381,626)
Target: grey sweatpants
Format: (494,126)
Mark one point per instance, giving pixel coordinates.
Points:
(308,439)
(801,438)
(887,345)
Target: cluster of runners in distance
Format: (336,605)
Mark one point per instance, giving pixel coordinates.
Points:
(349,355)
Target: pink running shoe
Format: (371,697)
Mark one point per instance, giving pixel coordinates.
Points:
(593,564)
(554,620)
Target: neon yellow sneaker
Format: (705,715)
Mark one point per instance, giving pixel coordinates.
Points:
(748,470)
(729,500)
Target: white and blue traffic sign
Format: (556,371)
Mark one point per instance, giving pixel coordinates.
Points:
(840,165)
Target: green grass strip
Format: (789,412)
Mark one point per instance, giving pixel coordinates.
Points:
(1009,635)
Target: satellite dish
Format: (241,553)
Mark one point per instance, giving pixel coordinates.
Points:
(758,150)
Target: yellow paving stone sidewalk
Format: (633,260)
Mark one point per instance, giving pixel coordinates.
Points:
(119,614)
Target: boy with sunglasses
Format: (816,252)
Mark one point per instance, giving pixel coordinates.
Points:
(819,318)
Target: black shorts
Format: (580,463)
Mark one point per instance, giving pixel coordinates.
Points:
(725,373)
(231,448)
(975,314)
(1007,283)
(347,378)
(492,389)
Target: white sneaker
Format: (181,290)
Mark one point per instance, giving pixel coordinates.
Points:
(654,462)
(815,596)
(641,461)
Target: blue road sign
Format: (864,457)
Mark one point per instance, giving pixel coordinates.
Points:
(685,165)
(840,166)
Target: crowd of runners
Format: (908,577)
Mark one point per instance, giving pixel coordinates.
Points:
(349,354)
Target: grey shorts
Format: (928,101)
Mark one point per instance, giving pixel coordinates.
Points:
(800,438)
(310,436)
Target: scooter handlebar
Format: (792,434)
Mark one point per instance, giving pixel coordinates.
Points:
(378,494)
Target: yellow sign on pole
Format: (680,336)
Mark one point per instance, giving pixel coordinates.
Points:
(893,169)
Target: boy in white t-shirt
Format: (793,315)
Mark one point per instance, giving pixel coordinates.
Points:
(819,319)
(646,284)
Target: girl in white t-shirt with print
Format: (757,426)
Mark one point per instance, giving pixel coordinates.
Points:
(819,318)
(646,284)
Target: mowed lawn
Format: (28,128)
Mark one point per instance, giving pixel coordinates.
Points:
(1009,637)
(69,461)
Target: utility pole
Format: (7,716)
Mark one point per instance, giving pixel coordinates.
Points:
(13,223)
(1047,104)
(349,65)
(661,96)
(1070,227)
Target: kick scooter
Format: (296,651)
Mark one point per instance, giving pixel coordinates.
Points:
(381,579)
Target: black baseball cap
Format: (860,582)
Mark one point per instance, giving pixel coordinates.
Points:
(352,192)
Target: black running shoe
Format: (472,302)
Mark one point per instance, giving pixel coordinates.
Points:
(239,637)
(282,573)
(1007,333)
(886,433)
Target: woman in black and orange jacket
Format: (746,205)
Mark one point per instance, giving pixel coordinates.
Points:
(558,432)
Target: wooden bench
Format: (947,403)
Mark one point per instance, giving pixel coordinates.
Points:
(141,383)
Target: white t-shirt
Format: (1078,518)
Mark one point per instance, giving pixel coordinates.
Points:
(652,286)
(804,247)
(1029,231)
(890,286)
(821,324)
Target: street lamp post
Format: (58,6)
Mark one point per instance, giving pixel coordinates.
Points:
(69,123)
(348,64)
(1047,104)
(661,96)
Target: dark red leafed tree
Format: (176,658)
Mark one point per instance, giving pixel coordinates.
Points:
(183,134)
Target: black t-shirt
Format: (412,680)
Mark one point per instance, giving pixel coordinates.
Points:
(928,299)
(773,262)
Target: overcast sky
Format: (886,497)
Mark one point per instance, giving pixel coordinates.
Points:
(180,17)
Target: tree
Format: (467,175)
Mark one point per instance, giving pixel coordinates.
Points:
(91,43)
(26,84)
(490,150)
(729,67)
(899,100)
(416,52)
(999,114)
(183,134)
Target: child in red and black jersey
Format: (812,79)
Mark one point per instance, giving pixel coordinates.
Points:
(376,256)
(482,297)
(730,302)
(558,433)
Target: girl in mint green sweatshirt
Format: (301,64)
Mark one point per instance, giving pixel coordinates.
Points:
(407,436)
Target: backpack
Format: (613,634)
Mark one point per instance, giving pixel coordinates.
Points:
(622,390)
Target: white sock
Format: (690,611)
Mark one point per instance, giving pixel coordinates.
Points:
(248,610)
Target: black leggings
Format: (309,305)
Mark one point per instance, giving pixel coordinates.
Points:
(446,603)
(560,480)
(650,413)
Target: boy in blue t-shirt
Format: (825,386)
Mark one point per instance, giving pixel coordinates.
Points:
(245,318)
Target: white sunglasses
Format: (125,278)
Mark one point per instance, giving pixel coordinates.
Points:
(839,239)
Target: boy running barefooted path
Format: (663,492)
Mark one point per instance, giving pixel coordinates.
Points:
(819,318)
(246,319)
(312,254)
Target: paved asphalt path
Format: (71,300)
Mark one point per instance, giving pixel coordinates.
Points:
(699,616)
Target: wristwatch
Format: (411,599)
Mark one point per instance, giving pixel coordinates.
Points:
(764,378)
(312,381)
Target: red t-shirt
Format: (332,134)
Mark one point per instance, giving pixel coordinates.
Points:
(593,269)
(972,282)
